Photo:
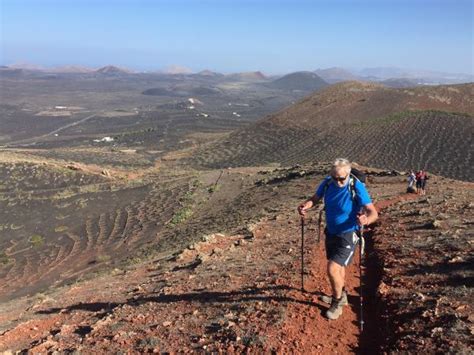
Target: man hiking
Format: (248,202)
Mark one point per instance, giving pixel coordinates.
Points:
(348,206)
(411,182)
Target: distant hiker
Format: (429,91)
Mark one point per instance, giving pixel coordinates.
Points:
(421,178)
(411,182)
(345,197)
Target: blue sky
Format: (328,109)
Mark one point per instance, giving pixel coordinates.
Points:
(229,36)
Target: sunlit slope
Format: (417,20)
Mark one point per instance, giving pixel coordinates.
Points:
(428,127)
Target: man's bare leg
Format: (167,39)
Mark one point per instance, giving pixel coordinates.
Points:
(336,275)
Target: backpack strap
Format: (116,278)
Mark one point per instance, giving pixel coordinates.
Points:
(352,188)
(327,182)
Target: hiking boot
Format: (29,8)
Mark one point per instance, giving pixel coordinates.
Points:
(328,299)
(335,310)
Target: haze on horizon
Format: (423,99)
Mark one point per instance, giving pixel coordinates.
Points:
(229,36)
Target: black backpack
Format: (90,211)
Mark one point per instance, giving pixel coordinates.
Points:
(359,175)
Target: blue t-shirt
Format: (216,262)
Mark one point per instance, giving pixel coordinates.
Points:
(341,208)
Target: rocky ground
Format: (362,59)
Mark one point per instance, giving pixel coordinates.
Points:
(238,289)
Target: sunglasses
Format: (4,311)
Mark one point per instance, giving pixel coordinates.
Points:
(340,179)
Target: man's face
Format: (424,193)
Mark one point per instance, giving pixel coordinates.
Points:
(339,174)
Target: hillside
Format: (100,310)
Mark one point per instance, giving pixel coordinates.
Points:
(112,70)
(209,73)
(369,123)
(232,284)
(247,76)
(304,81)
(335,75)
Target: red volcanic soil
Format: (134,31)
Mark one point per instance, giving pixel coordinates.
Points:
(241,292)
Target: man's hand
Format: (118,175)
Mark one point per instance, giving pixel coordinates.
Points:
(362,220)
(369,216)
(302,209)
(307,205)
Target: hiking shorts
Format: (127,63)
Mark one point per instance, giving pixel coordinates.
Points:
(340,248)
(420,184)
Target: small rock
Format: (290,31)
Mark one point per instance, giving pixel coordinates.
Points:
(229,315)
(443,216)
(420,296)
(167,324)
(436,224)
(456,259)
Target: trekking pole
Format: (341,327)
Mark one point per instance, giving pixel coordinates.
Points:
(302,254)
(361,253)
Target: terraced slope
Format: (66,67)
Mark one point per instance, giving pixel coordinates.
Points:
(58,225)
(371,124)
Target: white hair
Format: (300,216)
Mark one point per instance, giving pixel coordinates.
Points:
(342,163)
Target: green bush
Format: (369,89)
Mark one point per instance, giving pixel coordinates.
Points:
(4,259)
(36,240)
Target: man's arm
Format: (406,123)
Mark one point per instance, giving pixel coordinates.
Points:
(308,204)
(369,216)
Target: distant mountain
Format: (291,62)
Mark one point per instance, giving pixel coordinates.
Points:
(111,69)
(400,83)
(247,76)
(209,73)
(177,69)
(423,76)
(8,72)
(384,73)
(26,66)
(71,69)
(303,80)
(335,75)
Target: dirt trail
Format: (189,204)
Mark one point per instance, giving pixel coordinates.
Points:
(306,330)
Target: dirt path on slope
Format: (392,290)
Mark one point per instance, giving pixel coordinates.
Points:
(306,330)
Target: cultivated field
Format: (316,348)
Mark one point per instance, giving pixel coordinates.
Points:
(368,127)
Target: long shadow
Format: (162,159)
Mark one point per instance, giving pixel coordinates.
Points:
(442,267)
(372,335)
(245,295)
